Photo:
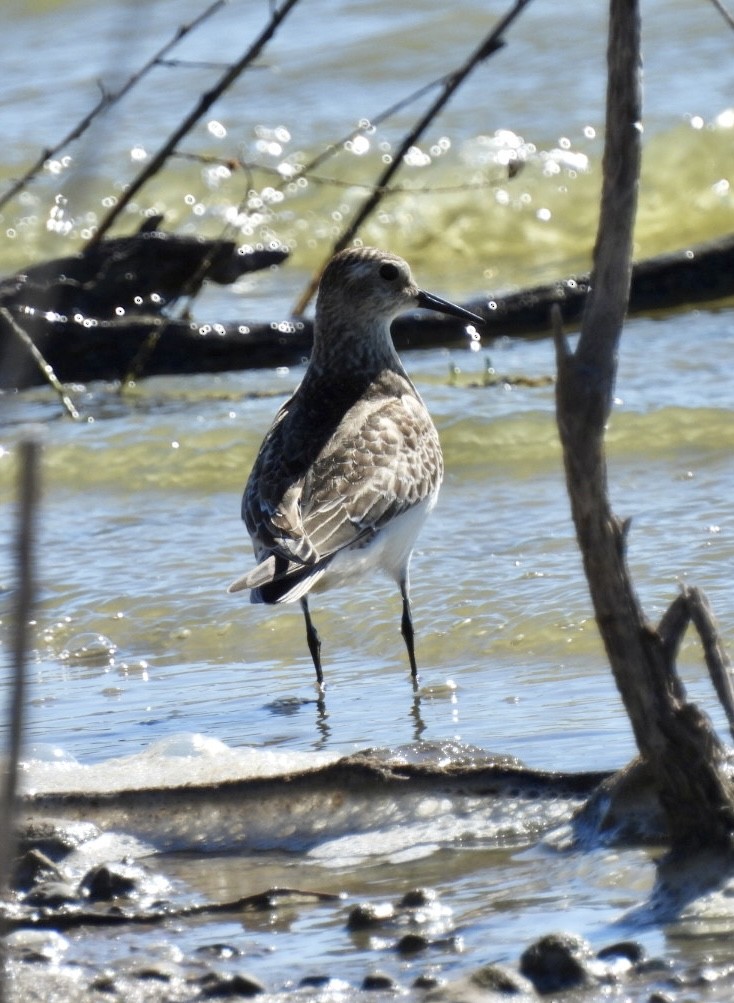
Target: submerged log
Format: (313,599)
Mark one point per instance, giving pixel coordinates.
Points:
(90,313)
(140,274)
(70,309)
(701,273)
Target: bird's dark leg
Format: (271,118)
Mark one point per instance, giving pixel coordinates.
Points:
(314,642)
(406,626)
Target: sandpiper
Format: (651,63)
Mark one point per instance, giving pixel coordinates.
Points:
(352,464)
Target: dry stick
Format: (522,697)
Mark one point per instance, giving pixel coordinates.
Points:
(203,105)
(44,367)
(724,12)
(28,493)
(145,351)
(106,101)
(717,660)
(684,754)
(316,179)
(453,81)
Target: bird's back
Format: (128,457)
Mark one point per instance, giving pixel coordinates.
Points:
(339,463)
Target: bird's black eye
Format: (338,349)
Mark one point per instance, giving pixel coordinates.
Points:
(389,272)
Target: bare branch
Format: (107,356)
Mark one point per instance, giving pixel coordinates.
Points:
(717,660)
(236,163)
(729,18)
(677,741)
(107,99)
(607,302)
(44,368)
(204,104)
(452,82)
(28,494)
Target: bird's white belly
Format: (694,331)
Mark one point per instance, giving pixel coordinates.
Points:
(389,551)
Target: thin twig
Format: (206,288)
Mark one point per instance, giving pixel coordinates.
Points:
(106,100)
(44,367)
(28,494)
(717,660)
(204,104)
(729,18)
(235,163)
(453,81)
(303,171)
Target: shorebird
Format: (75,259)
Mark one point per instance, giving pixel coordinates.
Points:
(352,464)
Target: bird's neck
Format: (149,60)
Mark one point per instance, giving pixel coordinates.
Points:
(341,351)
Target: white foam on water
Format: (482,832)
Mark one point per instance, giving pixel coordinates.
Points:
(180,760)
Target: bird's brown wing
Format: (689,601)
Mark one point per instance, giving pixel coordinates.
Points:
(383,458)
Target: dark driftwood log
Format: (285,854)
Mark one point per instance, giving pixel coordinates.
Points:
(105,350)
(90,313)
(139,274)
(685,757)
(701,273)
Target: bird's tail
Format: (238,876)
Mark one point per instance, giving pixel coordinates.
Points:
(276,580)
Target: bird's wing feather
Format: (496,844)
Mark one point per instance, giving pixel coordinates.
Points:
(383,458)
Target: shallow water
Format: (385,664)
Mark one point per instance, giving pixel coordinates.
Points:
(138,643)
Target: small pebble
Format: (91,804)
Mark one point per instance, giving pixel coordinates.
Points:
(110,881)
(426,982)
(154,971)
(217,985)
(369,915)
(222,951)
(104,983)
(378,980)
(417,898)
(499,979)
(315,982)
(558,961)
(628,949)
(52,894)
(33,868)
(412,943)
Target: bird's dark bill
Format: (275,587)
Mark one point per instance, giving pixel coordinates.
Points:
(427,301)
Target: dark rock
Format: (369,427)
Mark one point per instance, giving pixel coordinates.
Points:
(221,951)
(52,894)
(378,980)
(412,943)
(499,979)
(104,983)
(315,981)
(33,867)
(224,985)
(559,961)
(417,898)
(426,982)
(110,881)
(154,971)
(629,950)
(488,983)
(369,915)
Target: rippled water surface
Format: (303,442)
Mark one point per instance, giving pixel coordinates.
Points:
(137,641)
